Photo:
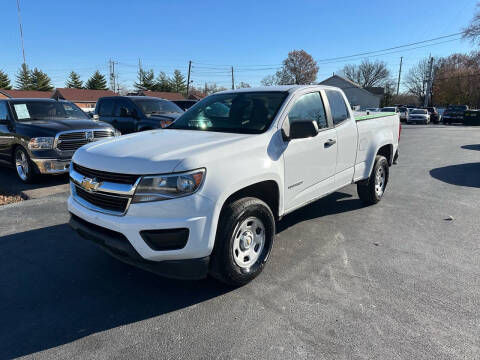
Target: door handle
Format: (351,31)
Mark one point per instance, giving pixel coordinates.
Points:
(329,143)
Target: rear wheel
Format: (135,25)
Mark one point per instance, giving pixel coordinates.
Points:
(24,166)
(371,190)
(244,241)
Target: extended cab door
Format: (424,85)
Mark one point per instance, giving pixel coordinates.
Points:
(347,137)
(310,162)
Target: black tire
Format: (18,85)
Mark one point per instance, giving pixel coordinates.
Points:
(26,172)
(366,189)
(223,266)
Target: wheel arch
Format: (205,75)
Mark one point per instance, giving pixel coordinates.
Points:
(267,190)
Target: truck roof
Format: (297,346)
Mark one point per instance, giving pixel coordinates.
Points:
(280,88)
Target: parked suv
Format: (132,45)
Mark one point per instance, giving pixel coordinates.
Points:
(434,115)
(130,114)
(39,136)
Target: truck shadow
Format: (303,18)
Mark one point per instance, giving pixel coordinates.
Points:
(335,203)
(461,174)
(471,147)
(10,184)
(57,288)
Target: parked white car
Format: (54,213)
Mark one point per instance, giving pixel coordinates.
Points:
(419,116)
(403,112)
(371,110)
(204,195)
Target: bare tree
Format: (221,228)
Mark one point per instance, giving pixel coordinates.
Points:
(416,79)
(269,80)
(298,68)
(368,73)
(242,85)
(472,31)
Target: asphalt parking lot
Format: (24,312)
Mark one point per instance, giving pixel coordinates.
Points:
(392,281)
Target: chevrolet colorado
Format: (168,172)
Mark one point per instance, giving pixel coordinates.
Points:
(203,195)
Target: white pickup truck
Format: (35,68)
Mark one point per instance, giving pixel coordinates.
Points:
(203,195)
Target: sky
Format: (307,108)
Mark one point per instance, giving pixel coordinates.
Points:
(253,36)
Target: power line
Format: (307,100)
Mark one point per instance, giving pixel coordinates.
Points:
(392,52)
(392,48)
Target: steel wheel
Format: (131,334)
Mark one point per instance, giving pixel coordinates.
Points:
(22,164)
(380,183)
(248,242)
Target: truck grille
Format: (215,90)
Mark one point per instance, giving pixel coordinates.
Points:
(106,176)
(107,202)
(71,141)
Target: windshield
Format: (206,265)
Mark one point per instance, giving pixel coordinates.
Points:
(457,108)
(47,110)
(420,111)
(240,112)
(388,109)
(152,106)
(402,109)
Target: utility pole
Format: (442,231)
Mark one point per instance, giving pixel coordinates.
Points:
(429,82)
(21,30)
(233,82)
(188,77)
(399,74)
(113,76)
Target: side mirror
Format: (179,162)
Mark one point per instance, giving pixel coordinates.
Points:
(300,130)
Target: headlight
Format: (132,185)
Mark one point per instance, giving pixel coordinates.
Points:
(40,143)
(116,133)
(164,187)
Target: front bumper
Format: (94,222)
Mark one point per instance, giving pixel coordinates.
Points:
(52,166)
(194,213)
(117,245)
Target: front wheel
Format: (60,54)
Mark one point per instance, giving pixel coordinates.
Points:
(371,190)
(244,241)
(24,166)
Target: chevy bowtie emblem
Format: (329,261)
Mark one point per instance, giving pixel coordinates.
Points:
(90,136)
(90,185)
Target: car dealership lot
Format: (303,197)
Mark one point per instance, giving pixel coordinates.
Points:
(394,280)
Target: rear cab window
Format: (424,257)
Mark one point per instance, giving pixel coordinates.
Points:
(105,107)
(338,107)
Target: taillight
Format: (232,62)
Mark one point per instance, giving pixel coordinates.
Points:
(399,130)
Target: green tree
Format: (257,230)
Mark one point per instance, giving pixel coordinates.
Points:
(163,83)
(40,81)
(96,82)
(178,82)
(4,81)
(146,80)
(74,81)
(23,78)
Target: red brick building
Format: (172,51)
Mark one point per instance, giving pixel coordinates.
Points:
(84,98)
(5,94)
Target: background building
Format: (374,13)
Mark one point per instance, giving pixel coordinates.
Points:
(355,93)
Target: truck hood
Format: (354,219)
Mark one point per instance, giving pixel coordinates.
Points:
(166,116)
(156,151)
(52,127)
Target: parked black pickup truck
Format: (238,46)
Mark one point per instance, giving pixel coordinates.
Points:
(454,114)
(130,114)
(39,136)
